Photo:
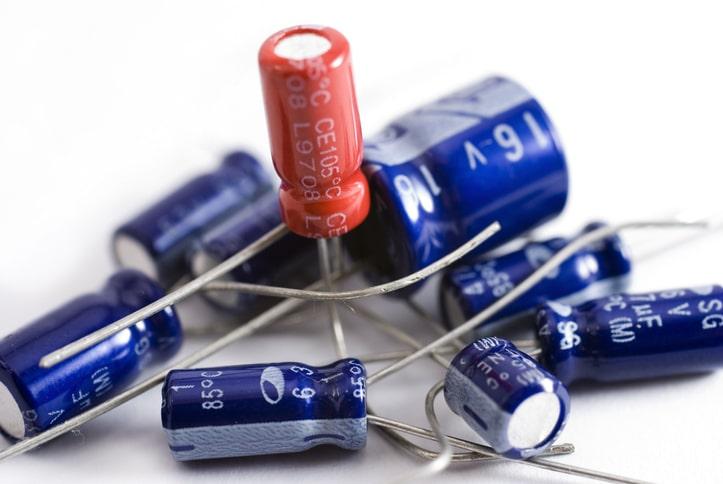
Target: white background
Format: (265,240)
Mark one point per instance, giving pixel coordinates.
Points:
(103,107)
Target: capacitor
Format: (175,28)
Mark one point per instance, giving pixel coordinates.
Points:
(316,139)
(594,271)
(264,409)
(314,130)
(441,173)
(290,261)
(157,240)
(33,399)
(633,336)
(513,403)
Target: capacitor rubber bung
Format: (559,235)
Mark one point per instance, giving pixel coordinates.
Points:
(202,262)
(129,252)
(534,420)
(11,417)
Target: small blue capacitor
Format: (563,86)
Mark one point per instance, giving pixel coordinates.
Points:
(514,404)
(157,240)
(443,172)
(633,336)
(290,261)
(264,409)
(33,399)
(595,271)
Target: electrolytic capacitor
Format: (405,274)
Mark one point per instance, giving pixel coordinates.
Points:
(33,399)
(514,404)
(441,173)
(316,139)
(592,272)
(264,409)
(290,261)
(633,336)
(157,240)
(314,130)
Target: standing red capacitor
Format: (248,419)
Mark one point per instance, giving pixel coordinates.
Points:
(314,128)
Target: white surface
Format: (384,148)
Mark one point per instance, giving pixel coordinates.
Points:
(131,253)
(11,418)
(534,420)
(104,106)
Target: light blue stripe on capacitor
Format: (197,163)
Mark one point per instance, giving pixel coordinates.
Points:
(213,442)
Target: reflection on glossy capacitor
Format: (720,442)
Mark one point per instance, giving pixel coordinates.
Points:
(594,271)
(290,261)
(264,409)
(632,336)
(442,173)
(516,406)
(32,399)
(157,240)
(314,130)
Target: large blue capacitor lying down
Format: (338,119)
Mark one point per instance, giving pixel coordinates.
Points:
(264,409)
(440,174)
(595,271)
(289,262)
(632,336)
(157,240)
(514,404)
(33,399)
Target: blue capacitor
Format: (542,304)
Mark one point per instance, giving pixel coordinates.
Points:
(33,399)
(440,174)
(264,409)
(515,405)
(633,336)
(595,271)
(290,261)
(157,240)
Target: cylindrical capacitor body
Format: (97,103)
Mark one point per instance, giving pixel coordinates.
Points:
(157,240)
(443,172)
(633,336)
(264,409)
(515,405)
(33,399)
(314,130)
(290,261)
(594,271)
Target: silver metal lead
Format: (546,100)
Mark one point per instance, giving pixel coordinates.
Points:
(337,329)
(173,297)
(385,288)
(558,258)
(483,450)
(445,450)
(194,285)
(419,451)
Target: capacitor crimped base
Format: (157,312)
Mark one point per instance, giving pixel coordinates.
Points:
(327,218)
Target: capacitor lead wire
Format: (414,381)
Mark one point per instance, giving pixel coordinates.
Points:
(290,304)
(444,441)
(273,235)
(325,266)
(555,261)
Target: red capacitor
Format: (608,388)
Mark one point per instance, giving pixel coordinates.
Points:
(314,129)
